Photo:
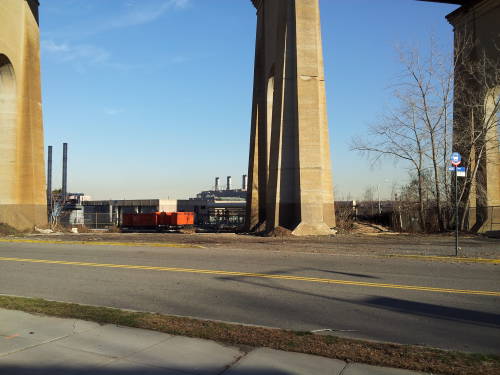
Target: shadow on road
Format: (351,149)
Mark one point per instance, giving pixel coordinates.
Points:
(435,311)
(393,304)
(293,272)
(345,273)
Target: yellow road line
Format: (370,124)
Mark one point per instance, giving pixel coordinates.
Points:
(447,259)
(258,275)
(102,243)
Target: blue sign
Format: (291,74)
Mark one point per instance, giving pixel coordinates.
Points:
(460,169)
(456,158)
(451,169)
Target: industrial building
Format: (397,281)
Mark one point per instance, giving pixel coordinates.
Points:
(105,213)
(215,209)
(219,209)
(72,213)
(228,193)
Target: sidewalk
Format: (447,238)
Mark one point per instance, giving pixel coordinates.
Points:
(36,345)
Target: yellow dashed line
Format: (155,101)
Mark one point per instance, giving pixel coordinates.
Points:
(447,259)
(101,243)
(258,275)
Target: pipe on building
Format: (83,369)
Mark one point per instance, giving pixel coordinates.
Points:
(244,182)
(228,183)
(65,172)
(217,179)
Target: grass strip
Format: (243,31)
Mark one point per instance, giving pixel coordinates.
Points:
(416,358)
(445,258)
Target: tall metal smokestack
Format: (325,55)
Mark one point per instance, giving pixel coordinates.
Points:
(217,187)
(244,182)
(65,172)
(228,183)
(49,179)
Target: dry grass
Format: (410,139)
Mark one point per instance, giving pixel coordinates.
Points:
(381,354)
(7,230)
(345,220)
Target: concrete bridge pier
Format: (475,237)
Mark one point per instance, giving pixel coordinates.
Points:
(290,177)
(22,177)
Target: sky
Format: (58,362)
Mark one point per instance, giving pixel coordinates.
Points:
(154,97)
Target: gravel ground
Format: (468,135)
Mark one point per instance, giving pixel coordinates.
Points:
(366,243)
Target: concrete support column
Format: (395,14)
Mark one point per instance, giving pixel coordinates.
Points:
(290,177)
(23,201)
(477,107)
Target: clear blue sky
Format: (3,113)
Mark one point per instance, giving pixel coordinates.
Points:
(154,96)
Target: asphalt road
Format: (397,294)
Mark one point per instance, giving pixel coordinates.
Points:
(387,299)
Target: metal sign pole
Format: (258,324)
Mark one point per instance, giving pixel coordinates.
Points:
(456,159)
(456,212)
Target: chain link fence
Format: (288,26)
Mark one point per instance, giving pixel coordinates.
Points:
(404,219)
(99,220)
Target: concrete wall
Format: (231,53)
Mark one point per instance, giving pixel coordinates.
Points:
(22,176)
(168,205)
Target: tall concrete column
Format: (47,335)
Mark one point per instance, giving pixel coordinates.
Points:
(23,201)
(290,177)
(477,107)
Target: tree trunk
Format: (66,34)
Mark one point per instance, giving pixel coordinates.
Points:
(437,187)
(421,212)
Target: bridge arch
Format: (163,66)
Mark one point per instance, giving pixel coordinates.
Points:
(8,127)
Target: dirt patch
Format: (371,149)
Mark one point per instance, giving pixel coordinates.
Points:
(369,243)
(408,357)
(279,232)
(7,230)
(366,228)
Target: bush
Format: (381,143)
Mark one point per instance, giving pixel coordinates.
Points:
(345,219)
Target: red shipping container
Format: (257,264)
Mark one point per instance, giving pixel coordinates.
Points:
(140,220)
(128,220)
(182,218)
(158,219)
(165,218)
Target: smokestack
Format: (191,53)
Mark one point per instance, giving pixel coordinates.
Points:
(244,182)
(228,183)
(65,172)
(217,179)
(49,179)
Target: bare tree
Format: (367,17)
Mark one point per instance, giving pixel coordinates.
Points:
(429,86)
(416,130)
(369,198)
(438,91)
